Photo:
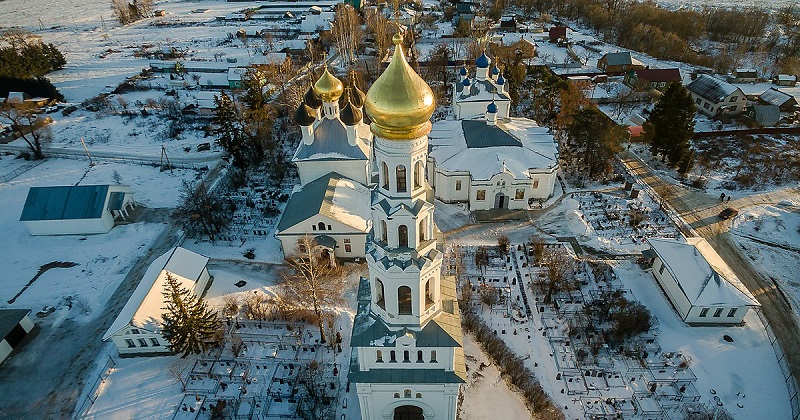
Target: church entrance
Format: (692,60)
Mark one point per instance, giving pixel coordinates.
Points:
(408,412)
(500,201)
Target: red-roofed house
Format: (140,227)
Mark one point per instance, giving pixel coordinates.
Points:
(558,32)
(654,78)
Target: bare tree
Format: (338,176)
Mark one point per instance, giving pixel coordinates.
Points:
(489,295)
(314,404)
(314,280)
(380,28)
(202,211)
(32,128)
(559,268)
(537,243)
(503,244)
(347,32)
(177,370)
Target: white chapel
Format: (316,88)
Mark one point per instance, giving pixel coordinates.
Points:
(407,359)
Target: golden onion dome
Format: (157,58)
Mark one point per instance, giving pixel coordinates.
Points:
(328,87)
(400,103)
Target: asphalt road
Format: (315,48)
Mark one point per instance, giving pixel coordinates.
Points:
(700,211)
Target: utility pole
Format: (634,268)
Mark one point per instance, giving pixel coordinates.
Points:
(87,152)
(164,158)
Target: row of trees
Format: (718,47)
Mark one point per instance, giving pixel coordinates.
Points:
(24,55)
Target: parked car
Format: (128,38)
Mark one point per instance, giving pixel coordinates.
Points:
(728,213)
(203,147)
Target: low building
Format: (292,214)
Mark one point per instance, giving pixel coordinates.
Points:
(137,329)
(14,326)
(698,283)
(764,115)
(714,97)
(784,101)
(558,33)
(743,75)
(619,63)
(652,78)
(506,164)
(334,211)
(785,80)
(76,210)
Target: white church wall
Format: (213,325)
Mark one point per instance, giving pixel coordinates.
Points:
(356,170)
(446,183)
(378,401)
(132,341)
(477,109)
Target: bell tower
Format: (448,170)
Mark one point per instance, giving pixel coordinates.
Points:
(407,347)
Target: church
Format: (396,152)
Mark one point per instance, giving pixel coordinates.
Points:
(407,359)
(486,157)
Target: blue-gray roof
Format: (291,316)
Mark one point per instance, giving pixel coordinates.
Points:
(330,143)
(317,197)
(9,319)
(479,134)
(711,88)
(65,202)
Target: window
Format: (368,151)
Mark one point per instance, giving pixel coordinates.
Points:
(154,342)
(406,357)
(313,227)
(661,269)
(384,231)
(129,342)
(321,225)
(379,356)
(404,300)
(703,312)
(458,185)
(734,98)
(732,313)
(422,230)
(705,105)
(347,246)
(662,84)
(653,84)
(329,227)
(733,109)
(428,294)
(392,356)
(385,173)
(402,233)
(419,356)
(433,356)
(379,297)
(520,194)
(717,312)
(480,195)
(400,174)
(536,183)
(135,331)
(698,101)
(406,393)
(397,395)
(418,175)
(142,342)
(419,395)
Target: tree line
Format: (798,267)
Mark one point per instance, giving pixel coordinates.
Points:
(24,60)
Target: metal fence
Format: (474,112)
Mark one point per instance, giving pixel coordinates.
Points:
(91,396)
(19,171)
(791,383)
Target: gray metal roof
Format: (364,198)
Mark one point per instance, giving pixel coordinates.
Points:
(481,90)
(479,134)
(317,197)
(776,97)
(619,58)
(711,88)
(64,202)
(330,143)
(9,319)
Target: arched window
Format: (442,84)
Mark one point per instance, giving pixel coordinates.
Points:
(404,300)
(384,231)
(402,233)
(385,173)
(422,230)
(321,225)
(433,356)
(379,357)
(419,356)
(379,296)
(406,393)
(400,174)
(406,357)
(392,356)
(418,174)
(428,294)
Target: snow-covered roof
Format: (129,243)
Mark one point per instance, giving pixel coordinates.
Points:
(775,97)
(711,88)
(334,196)
(701,274)
(480,91)
(621,58)
(330,143)
(144,308)
(517,146)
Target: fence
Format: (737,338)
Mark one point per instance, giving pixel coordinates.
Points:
(791,383)
(91,396)
(19,171)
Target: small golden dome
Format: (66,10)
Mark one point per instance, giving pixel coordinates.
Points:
(328,87)
(400,103)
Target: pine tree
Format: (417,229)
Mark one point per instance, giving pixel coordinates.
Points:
(670,124)
(596,138)
(188,324)
(228,129)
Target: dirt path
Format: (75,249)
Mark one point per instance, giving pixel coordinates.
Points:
(700,212)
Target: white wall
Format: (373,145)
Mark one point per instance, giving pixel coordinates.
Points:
(127,334)
(445,185)
(470,110)
(5,350)
(378,401)
(358,243)
(71,226)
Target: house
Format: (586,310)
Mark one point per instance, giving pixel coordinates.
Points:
(14,326)
(619,63)
(652,78)
(558,33)
(714,97)
(743,75)
(784,101)
(507,164)
(236,76)
(204,100)
(764,115)
(76,210)
(785,80)
(508,23)
(701,287)
(137,329)
(334,210)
